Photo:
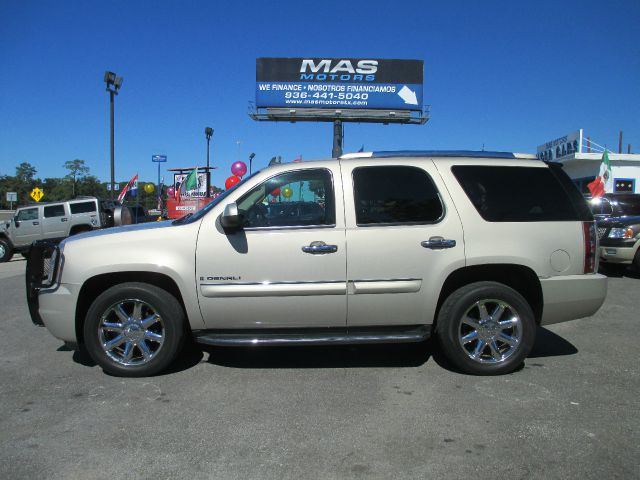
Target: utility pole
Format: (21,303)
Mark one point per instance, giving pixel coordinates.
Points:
(620,143)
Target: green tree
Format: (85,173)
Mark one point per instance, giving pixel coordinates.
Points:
(91,186)
(25,181)
(25,172)
(77,169)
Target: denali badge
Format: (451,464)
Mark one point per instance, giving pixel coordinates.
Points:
(219,278)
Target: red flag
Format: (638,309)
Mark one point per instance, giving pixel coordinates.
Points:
(130,184)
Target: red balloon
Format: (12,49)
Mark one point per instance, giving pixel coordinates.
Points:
(231,181)
(276,192)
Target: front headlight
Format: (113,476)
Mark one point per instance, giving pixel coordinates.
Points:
(626,232)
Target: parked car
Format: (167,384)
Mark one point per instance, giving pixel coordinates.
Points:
(58,220)
(615,205)
(618,223)
(459,245)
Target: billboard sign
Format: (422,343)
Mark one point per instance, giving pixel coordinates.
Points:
(199,191)
(337,83)
(561,147)
(158,158)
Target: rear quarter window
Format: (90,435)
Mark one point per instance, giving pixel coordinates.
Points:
(83,207)
(518,194)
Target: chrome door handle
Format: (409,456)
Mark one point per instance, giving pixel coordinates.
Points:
(63,219)
(316,248)
(36,223)
(438,243)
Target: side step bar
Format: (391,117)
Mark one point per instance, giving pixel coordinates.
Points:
(326,336)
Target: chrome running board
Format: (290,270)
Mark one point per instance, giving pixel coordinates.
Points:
(317,336)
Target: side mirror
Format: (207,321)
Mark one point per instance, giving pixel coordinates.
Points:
(230,219)
(16,221)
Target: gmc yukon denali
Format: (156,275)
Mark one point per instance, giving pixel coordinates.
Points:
(474,248)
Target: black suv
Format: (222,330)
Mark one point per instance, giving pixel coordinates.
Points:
(618,223)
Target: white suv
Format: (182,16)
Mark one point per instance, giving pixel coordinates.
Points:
(476,248)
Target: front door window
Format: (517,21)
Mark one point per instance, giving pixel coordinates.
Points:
(300,198)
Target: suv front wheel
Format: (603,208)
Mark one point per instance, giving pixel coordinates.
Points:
(5,251)
(486,328)
(134,329)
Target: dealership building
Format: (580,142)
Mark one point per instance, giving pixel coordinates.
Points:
(581,159)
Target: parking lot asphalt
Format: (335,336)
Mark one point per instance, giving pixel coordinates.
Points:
(396,411)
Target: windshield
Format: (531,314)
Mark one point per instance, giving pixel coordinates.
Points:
(193,217)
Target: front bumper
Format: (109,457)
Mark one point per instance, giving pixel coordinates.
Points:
(51,304)
(572,296)
(623,255)
(58,311)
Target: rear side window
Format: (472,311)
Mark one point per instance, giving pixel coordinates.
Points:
(517,194)
(395,195)
(83,207)
(53,211)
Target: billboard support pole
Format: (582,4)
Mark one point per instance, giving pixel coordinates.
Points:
(338,135)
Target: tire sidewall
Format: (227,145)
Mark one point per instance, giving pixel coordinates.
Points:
(8,251)
(457,305)
(162,302)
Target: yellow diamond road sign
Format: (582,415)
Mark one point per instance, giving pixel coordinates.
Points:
(37,194)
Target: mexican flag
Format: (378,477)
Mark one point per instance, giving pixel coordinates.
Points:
(190,182)
(603,183)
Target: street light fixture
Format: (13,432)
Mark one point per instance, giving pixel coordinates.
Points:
(208,132)
(251,157)
(114,82)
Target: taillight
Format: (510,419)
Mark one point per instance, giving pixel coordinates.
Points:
(590,246)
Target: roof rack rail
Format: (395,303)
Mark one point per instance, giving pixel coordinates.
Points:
(440,153)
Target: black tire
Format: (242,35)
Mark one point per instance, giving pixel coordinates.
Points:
(636,261)
(6,252)
(460,309)
(171,324)
(614,269)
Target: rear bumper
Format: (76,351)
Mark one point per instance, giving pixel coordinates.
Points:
(572,296)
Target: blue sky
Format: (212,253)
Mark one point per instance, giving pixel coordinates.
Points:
(509,75)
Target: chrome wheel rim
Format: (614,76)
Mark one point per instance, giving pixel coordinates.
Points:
(131,332)
(490,331)
(2,250)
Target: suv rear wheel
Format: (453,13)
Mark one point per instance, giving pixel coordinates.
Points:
(134,329)
(486,328)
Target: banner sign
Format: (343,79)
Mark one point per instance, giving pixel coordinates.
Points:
(561,147)
(339,83)
(199,191)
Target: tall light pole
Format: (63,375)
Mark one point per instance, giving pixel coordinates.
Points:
(113,85)
(208,132)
